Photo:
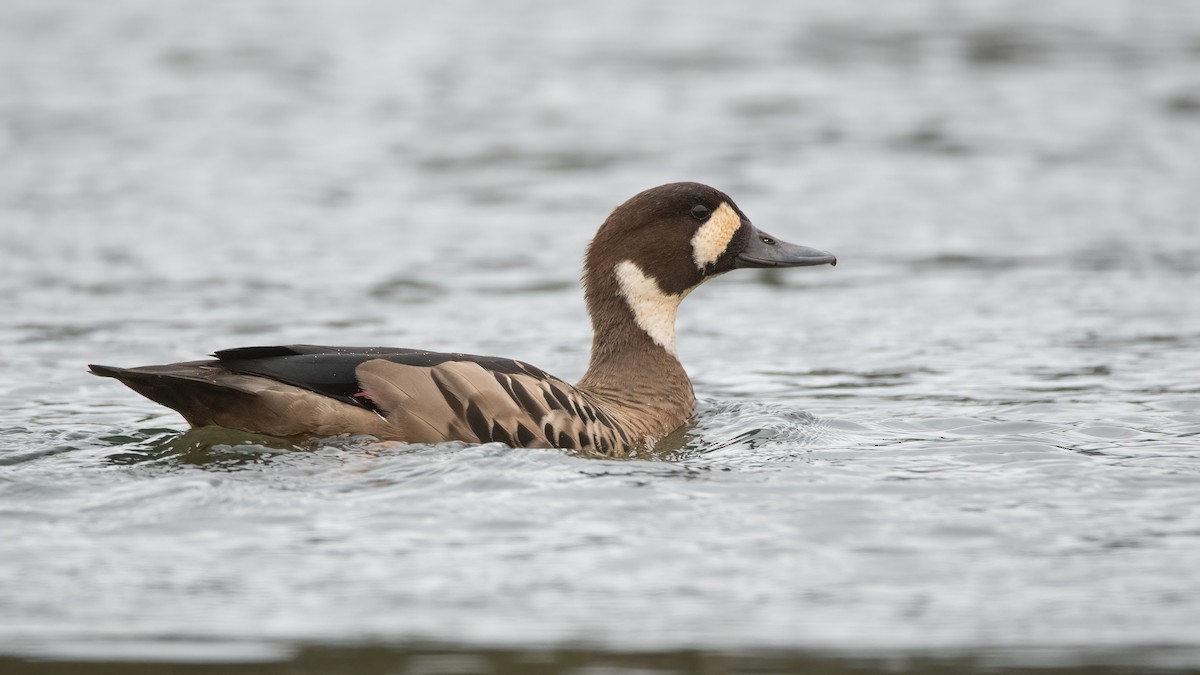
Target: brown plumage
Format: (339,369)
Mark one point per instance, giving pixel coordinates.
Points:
(650,253)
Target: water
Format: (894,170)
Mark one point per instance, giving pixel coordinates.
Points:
(972,445)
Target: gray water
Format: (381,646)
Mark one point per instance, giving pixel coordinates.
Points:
(972,445)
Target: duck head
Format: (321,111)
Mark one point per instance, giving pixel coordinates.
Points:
(664,242)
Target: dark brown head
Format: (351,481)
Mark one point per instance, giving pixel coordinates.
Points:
(662,243)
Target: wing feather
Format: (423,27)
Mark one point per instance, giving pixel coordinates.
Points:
(467,401)
(415,408)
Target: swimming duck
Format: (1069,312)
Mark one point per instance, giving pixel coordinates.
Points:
(647,256)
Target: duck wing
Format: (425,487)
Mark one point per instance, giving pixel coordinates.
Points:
(411,395)
(436,397)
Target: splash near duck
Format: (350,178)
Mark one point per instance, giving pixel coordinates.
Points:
(647,256)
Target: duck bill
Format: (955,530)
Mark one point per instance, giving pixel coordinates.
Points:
(763,250)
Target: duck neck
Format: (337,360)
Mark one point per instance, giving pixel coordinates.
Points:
(633,369)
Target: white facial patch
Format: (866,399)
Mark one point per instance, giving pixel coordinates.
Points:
(653,310)
(711,240)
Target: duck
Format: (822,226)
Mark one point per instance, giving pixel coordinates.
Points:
(648,255)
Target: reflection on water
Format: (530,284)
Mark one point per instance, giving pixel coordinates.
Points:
(201,446)
(971,446)
(432,660)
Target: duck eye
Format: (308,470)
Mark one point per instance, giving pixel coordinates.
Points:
(768,241)
(699,212)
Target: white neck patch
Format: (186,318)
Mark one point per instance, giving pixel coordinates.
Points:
(653,310)
(711,240)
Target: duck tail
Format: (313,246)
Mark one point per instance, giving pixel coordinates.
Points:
(183,387)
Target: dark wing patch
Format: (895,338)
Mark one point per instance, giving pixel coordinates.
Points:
(602,418)
(479,423)
(330,370)
(528,370)
(527,401)
(238,353)
(501,435)
(524,435)
(579,410)
(564,402)
(565,441)
(551,401)
(443,386)
(505,383)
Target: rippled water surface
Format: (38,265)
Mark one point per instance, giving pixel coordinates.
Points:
(974,441)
